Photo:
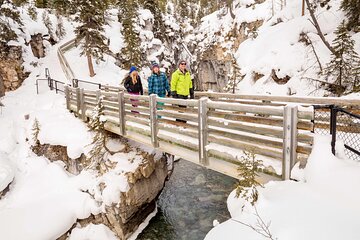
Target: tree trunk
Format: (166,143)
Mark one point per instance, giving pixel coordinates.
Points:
(2,87)
(229,5)
(317,26)
(91,67)
(303,8)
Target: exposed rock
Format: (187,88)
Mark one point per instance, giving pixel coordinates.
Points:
(11,70)
(216,65)
(146,183)
(37,45)
(59,153)
(257,76)
(278,80)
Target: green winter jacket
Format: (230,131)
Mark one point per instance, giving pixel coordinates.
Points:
(181,83)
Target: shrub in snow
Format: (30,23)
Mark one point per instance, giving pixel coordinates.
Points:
(246,187)
(98,143)
(35,132)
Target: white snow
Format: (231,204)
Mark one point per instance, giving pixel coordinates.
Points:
(92,232)
(6,171)
(322,206)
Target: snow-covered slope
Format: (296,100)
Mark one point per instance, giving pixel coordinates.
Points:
(275,45)
(324,205)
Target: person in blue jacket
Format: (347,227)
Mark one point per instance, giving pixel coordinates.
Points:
(158,83)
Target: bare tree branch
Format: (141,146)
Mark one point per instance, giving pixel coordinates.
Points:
(261,227)
(313,48)
(317,26)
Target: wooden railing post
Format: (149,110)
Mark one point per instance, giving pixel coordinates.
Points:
(82,104)
(203,131)
(67,97)
(78,101)
(122,113)
(289,140)
(98,93)
(153,120)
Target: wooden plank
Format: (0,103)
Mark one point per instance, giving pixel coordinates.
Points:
(137,97)
(245,138)
(177,101)
(122,119)
(178,124)
(190,110)
(246,147)
(153,122)
(137,102)
(271,121)
(266,131)
(78,106)
(178,115)
(306,100)
(276,111)
(138,109)
(82,104)
(290,141)
(203,131)
(67,97)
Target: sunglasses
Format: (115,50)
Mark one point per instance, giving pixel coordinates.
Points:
(182,63)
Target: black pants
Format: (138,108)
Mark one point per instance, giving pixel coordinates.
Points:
(182,106)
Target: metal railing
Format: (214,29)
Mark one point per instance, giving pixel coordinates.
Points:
(53,84)
(342,124)
(345,126)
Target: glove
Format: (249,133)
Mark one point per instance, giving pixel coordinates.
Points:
(192,93)
(168,94)
(174,94)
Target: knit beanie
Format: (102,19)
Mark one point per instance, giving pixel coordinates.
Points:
(133,68)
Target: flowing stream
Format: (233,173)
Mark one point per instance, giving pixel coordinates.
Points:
(191,200)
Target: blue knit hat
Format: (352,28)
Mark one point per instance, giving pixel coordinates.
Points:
(133,68)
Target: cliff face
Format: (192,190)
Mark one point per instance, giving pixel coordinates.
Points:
(11,70)
(134,206)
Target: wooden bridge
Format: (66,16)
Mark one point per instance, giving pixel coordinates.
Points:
(218,126)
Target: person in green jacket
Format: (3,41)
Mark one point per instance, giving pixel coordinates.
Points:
(181,84)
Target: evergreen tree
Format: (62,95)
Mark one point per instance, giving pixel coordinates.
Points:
(159,28)
(48,24)
(6,33)
(35,132)
(352,11)
(96,124)
(247,185)
(62,7)
(91,16)
(32,12)
(41,3)
(345,61)
(60,30)
(131,54)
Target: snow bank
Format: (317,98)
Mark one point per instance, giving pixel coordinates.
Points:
(43,196)
(325,206)
(6,171)
(92,232)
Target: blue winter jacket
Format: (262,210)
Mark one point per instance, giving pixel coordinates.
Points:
(158,84)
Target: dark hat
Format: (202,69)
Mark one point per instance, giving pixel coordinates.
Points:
(155,65)
(182,61)
(133,68)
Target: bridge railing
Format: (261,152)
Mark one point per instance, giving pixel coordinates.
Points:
(209,130)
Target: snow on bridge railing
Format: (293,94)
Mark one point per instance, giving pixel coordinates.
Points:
(63,62)
(216,130)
